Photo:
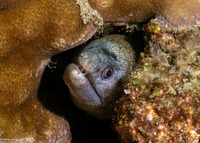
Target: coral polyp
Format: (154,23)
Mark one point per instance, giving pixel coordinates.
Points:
(161,100)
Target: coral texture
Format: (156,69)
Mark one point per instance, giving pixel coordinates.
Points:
(6,4)
(29,35)
(162,99)
(172,12)
(31,31)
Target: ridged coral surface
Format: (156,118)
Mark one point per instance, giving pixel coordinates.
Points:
(162,99)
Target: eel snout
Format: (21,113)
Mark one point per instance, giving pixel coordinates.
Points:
(84,96)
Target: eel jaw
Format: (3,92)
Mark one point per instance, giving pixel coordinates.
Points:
(83,94)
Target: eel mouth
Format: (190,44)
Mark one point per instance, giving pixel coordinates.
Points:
(90,80)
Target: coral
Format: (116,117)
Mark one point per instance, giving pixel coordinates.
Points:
(179,12)
(171,12)
(29,35)
(121,11)
(31,31)
(88,14)
(31,122)
(161,101)
(6,4)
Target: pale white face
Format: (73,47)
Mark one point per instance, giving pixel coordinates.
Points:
(97,77)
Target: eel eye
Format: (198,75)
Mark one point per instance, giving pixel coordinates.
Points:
(108,72)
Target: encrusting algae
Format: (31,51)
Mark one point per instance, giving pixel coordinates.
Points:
(162,99)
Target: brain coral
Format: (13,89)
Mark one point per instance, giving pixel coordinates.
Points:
(162,98)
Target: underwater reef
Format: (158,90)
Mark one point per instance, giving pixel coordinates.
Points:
(161,102)
(32,31)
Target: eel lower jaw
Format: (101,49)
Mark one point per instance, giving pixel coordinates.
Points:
(83,94)
(89,78)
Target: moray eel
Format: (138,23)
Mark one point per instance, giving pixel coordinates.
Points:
(95,79)
(32,31)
